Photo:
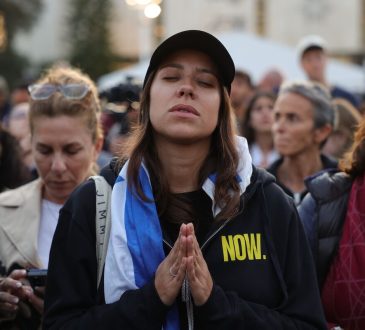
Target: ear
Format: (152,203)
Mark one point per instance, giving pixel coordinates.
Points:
(322,133)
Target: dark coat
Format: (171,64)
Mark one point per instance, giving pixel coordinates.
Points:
(260,263)
(327,162)
(323,213)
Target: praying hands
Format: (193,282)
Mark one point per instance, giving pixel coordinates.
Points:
(184,260)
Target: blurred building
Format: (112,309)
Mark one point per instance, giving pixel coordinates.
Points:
(341,23)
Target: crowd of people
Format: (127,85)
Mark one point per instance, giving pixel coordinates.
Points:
(233,204)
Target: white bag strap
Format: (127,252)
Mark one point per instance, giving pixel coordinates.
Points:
(102,221)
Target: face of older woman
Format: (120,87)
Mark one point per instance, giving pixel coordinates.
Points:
(185,97)
(64,154)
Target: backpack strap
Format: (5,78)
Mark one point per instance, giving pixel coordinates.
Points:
(102,221)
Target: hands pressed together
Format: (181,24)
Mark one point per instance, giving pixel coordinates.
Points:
(185,258)
(14,291)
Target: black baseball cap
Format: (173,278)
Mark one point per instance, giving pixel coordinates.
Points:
(197,40)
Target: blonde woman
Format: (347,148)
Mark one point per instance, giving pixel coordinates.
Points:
(66,140)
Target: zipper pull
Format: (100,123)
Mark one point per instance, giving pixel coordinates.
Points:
(186,297)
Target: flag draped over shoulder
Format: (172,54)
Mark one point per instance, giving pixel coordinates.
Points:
(135,246)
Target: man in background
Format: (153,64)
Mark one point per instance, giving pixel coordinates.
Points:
(312,50)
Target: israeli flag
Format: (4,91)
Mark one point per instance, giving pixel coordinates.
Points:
(135,247)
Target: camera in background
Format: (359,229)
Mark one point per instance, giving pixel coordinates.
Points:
(120,113)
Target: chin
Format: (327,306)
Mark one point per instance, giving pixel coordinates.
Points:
(180,136)
(184,140)
(284,152)
(63,194)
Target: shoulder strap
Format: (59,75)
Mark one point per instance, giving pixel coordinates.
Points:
(102,221)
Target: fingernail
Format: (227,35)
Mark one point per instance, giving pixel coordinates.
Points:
(15,300)
(18,284)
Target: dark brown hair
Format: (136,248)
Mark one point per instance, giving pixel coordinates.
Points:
(222,159)
(13,172)
(247,130)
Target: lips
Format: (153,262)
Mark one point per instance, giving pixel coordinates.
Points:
(183,108)
(59,184)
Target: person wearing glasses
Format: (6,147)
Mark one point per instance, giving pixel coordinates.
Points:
(200,239)
(66,140)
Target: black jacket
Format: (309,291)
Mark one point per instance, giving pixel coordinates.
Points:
(327,162)
(260,262)
(323,213)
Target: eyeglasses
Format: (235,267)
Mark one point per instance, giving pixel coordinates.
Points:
(69,91)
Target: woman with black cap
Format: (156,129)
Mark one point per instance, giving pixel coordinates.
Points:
(200,239)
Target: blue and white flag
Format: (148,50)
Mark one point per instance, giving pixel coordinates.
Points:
(135,247)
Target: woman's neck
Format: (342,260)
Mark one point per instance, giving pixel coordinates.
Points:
(182,163)
(264,141)
(294,170)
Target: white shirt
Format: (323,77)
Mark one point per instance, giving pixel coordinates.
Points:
(47,227)
(258,157)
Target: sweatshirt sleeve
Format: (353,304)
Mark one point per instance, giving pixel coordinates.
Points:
(72,300)
(300,306)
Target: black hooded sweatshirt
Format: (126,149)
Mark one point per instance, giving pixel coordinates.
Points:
(259,261)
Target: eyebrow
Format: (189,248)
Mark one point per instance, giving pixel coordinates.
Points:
(68,145)
(181,67)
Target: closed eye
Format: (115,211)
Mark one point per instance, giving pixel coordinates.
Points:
(171,78)
(72,150)
(205,83)
(44,150)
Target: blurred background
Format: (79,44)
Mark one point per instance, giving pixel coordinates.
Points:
(111,39)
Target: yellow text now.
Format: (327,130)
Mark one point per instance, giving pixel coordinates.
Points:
(242,247)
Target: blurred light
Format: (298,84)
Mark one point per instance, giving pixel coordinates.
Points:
(152,10)
(131,2)
(143,2)
(157,2)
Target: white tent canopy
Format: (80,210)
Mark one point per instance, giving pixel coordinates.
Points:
(256,56)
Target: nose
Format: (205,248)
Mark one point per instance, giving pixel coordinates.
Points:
(267,111)
(186,89)
(58,163)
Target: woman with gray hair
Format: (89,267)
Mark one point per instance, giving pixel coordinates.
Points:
(303,119)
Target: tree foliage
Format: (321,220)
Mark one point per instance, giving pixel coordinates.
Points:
(18,15)
(90,44)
